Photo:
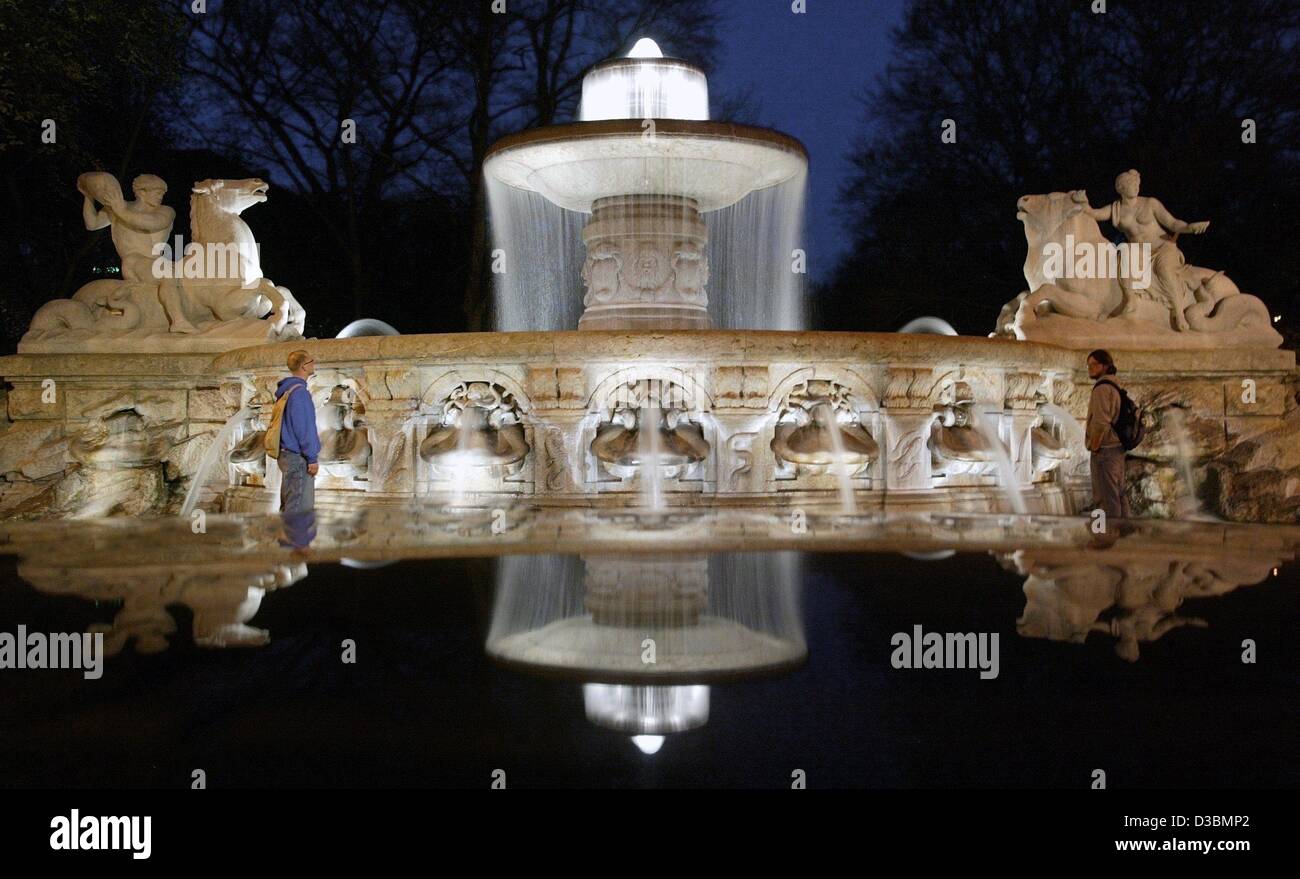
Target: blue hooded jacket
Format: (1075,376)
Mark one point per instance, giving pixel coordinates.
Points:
(298,428)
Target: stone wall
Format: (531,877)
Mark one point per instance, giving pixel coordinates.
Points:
(124,434)
(105,434)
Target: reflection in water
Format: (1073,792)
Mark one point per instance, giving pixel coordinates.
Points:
(648,713)
(646,634)
(222,598)
(641,578)
(1127,594)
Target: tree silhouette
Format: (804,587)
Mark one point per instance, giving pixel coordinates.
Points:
(1048,96)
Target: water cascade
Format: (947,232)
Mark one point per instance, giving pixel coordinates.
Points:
(651,473)
(986,424)
(848,506)
(1189,505)
(215,450)
(686,223)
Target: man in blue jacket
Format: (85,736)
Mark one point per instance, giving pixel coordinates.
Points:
(299,442)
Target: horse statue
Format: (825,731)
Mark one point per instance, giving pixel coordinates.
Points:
(216,289)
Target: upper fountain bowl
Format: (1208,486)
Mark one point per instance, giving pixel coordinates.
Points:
(644,129)
(714,163)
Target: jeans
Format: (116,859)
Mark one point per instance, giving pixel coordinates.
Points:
(297,486)
(1107,466)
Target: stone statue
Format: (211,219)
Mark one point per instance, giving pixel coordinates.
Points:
(213,298)
(1144,220)
(137,226)
(1086,292)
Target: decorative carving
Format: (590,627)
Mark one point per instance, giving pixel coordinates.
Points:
(905,455)
(1024,390)
(390,458)
(646,264)
(957,448)
(907,388)
(816,428)
(639,592)
(1133,598)
(557,459)
(480,426)
(623,440)
(740,447)
(345,447)
(1048,452)
(600,273)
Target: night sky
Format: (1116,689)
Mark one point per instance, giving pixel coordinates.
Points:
(790,62)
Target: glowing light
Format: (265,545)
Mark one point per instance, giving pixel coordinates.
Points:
(644,85)
(648,744)
(367,326)
(645,48)
(935,325)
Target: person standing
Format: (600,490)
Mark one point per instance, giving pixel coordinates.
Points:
(1108,454)
(299,442)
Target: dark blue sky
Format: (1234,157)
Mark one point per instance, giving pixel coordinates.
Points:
(808,73)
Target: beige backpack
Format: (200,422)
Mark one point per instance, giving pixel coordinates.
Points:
(271,440)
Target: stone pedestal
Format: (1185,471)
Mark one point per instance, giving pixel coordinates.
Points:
(647,265)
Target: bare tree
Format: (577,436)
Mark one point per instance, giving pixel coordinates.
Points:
(1047,96)
(344,97)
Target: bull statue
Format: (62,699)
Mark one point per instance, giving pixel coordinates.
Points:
(1085,291)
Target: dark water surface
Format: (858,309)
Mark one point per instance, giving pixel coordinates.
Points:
(1125,661)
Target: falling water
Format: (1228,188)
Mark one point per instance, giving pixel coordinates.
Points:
(467,423)
(272,484)
(756,281)
(218,447)
(536,261)
(673,90)
(848,506)
(1188,506)
(648,443)
(756,278)
(367,326)
(1067,422)
(985,423)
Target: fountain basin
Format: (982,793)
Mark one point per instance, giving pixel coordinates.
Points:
(715,164)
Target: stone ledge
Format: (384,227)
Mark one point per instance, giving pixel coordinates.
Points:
(161,366)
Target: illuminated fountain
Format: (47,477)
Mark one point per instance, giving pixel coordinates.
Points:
(651,353)
(646,166)
(646,635)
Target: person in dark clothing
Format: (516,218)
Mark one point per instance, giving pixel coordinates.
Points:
(299,442)
(1108,455)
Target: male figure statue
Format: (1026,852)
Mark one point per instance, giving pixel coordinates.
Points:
(138,228)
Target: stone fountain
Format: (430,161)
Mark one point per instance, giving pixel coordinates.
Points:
(116,395)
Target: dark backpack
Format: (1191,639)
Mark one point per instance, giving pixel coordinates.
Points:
(1128,424)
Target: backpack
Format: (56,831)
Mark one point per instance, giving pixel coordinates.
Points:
(1128,423)
(271,440)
